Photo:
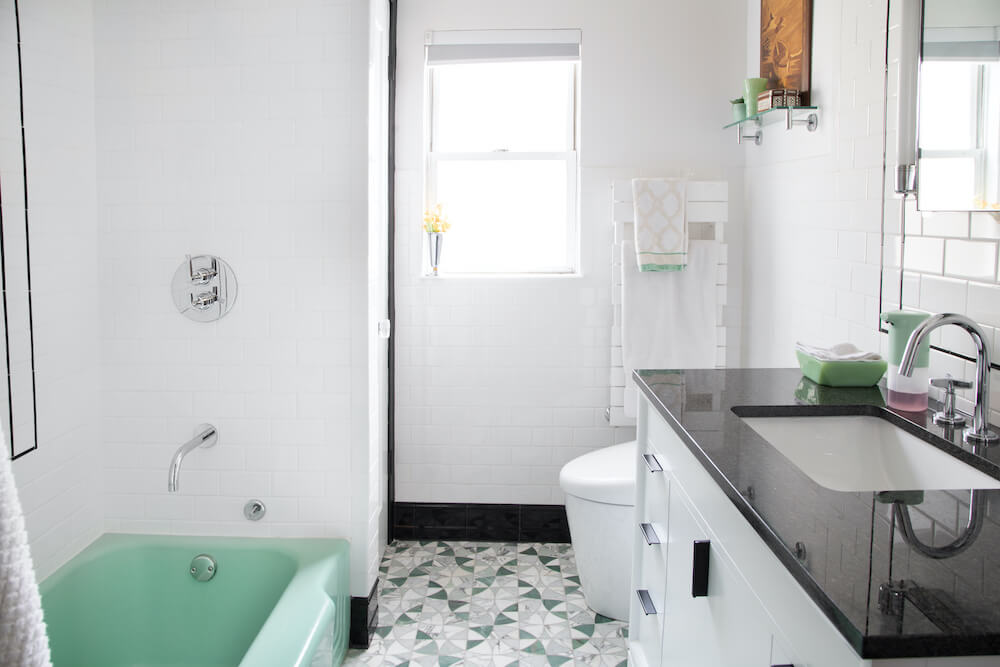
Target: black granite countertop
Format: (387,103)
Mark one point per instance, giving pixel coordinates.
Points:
(843,548)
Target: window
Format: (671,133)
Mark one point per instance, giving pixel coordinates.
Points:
(501,150)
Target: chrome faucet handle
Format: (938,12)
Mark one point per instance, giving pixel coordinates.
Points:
(202,275)
(948,415)
(950,384)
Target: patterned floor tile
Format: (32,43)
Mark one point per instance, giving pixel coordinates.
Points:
(487,604)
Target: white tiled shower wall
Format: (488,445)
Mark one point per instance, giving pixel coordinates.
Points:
(237,129)
(60,483)
(500,381)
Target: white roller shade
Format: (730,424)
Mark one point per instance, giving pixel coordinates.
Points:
(977,44)
(453,47)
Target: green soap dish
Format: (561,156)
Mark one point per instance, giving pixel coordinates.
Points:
(841,373)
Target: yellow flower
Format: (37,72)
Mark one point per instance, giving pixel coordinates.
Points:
(435,220)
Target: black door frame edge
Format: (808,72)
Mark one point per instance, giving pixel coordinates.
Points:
(391,291)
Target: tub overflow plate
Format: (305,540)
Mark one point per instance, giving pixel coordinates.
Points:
(203,567)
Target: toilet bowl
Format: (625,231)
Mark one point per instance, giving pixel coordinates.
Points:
(600,500)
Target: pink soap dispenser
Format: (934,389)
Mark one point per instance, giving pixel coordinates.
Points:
(906,393)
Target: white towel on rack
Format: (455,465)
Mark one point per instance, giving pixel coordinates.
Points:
(660,222)
(23,642)
(669,319)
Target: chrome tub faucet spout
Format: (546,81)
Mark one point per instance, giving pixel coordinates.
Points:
(207,436)
(979,432)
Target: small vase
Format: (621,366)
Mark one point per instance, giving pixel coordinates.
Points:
(753,87)
(739,111)
(434,241)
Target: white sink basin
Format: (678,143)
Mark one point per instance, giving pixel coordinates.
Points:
(866,454)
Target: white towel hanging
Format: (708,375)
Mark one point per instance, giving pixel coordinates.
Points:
(661,230)
(23,642)
(668,319)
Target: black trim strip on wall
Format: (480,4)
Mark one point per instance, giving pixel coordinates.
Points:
(481,521)
(391,310)
(364,617)
(27,250)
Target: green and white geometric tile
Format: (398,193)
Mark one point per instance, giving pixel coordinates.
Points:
(487,604)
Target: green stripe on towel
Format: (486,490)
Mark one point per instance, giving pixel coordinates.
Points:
(662,267)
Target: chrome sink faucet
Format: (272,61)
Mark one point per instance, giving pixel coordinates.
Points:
(207,436)
(979,431)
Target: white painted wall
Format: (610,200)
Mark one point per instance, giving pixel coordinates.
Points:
(60,483)
(237,129)
(501,381)
(813,200)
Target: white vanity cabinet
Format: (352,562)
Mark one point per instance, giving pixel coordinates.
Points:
(754,614)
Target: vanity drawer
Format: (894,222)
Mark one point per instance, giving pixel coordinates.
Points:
(722,624)
(654,487)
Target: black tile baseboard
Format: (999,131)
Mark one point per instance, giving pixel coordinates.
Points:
(364,617)
(480,521)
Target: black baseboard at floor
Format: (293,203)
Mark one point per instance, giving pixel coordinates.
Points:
(364,616)
(480,521)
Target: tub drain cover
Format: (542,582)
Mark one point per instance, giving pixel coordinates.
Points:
(203,567)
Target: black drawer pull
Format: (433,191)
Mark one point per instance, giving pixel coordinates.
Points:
(646,602)
(652,463)
(786,664)
(650,534)
(699,571)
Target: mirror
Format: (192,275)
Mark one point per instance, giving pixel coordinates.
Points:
(958,133)
(941,248)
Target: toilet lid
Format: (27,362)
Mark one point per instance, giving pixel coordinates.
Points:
(606,475)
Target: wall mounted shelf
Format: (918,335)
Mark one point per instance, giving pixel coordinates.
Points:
(792,116)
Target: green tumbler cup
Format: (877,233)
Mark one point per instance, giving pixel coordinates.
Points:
(753,87)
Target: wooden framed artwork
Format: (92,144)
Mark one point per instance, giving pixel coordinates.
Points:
(786,44)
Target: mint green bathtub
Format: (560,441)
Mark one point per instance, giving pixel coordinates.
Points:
(131,600)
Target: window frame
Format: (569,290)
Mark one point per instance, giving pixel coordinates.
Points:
(433,158)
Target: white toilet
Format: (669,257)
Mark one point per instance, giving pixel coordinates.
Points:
(600,499)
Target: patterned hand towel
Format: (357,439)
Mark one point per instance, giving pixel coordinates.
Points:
(661,235)
(23,642)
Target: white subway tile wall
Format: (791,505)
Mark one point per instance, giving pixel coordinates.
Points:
(60,483)
(501,381)
(813,242)
(236,129)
